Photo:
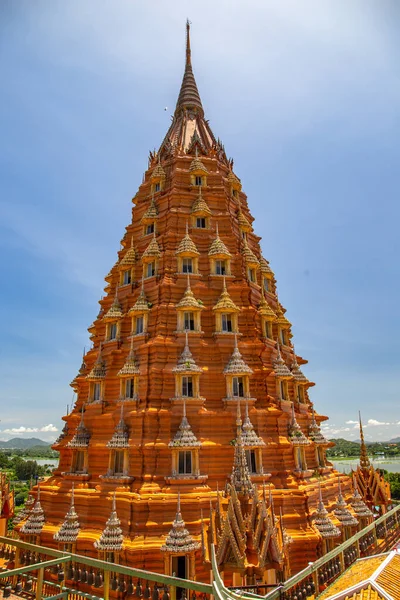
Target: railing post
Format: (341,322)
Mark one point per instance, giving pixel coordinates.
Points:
(39,584)
(341,560)
(106,585)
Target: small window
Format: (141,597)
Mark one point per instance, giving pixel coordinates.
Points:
(185,462)
(187,387)
(198,180)
(112,331)
(235,193)
(96,391)
(188,319)
(149,228)
(226,322)
(118,462)
(238,387)
(283,337)
(151,269)
(126,277)
(268,332)
(282,385)
(79,465)
(251,275)
(220,267)
(157,187)
(266,284)
(139,325)
(130,388)
(201,222)
(251,461)
(187,265)
(300,393)
(244,235)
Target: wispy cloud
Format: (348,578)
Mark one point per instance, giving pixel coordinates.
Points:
(24,429)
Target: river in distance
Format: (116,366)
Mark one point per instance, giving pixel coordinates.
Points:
(390,464)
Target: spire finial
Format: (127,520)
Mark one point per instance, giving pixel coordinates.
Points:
(223,283)
(235,338)
(114,502)
(188,283)
(187,227)
(238,417)
(72,494)
(184,407)
(364,460)
(188,51)
(186,339)
(178,507)
(216,229)
(38,492)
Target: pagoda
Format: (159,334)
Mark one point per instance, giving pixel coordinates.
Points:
(191,402)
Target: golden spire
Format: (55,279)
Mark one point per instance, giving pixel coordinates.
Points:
(189,96)
(364,460)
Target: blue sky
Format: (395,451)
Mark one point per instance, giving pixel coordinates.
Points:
(306,98)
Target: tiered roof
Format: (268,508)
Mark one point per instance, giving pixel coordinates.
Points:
(249,437)
(153,249)
(184,437)
(236,364)
(99,368)
(82,436)
(225,302)
(240,477)
(130,366)
(314,432)
(281,369)
(188,300)
(186,363)
(151,213)
(218,247)
(296,435)
(129,258)
(341,511)
(141,305)
(322,521)
(111,539)
(36,519)
(200,206)
(115,310)
(120,439)
(179,539)
(187,246)
(69,530)
(359,507)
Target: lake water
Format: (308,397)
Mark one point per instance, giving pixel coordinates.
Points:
(389,464)
(47,461)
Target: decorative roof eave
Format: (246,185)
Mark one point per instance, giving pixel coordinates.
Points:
(295,433)
(314,432)
(265,310)
(188,300)
(115,311)
(297,373)
(322,522)
(266,269)
(281,370)
(130,367)
(111,538)
(69,530)
(98,370)
(281,320)
(187,247)
(359,507)
(225,302)
(197,167)
(152,250)
(244,223)
(234,181)
(81,437)
(129,259)
(200,206)
(249,437)
(36,519)
(158,173)
(179,539)
(341,511)
(120,438)
(151,213)
(141,305)
(218,248)
(240,476)
(184,437)
(186,363)
(249,256)
(236,364)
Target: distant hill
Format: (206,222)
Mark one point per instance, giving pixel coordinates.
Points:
(395,441)
(22,443)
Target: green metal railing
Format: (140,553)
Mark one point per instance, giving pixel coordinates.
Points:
(47,565)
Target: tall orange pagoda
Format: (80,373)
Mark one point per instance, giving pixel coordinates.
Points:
(193,423)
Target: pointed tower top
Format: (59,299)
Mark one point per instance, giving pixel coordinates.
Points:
(34,523)
(322,521)
(111,538)
(240,477)
(179,539)
(364,460)
(189,96)
(184,437)
(69,529)
(341,511)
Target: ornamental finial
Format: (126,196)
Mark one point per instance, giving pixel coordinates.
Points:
(364,460)
(188,51)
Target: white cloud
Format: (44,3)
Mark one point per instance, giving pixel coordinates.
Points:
(351,422)
(23,429)
(376,423)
